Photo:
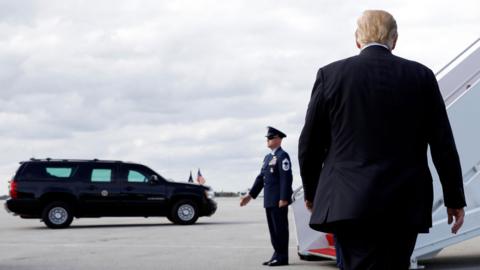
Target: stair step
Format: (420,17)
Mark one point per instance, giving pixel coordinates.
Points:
(324,252)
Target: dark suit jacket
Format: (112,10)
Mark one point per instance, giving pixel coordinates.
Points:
(276,177)
(363,149)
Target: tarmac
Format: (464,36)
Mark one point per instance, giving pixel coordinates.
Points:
(233,238)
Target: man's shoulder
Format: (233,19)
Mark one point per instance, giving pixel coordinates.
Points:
(411,63)
(282,153)
(336,64)
(339,67)
(415,69)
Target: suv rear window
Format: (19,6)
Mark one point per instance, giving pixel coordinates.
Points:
(59,172)
(41,171)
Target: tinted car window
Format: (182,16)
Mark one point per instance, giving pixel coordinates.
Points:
(101,175)
(136,177)
(59,172)
(135,173)
(39,171)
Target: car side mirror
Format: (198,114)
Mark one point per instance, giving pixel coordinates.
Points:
(153,179)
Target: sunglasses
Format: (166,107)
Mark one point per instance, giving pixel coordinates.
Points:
(272,137)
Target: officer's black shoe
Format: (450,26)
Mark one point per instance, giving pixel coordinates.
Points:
(277,263)
(266,263)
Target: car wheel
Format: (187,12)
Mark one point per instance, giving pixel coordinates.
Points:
(57,215)
(184,212)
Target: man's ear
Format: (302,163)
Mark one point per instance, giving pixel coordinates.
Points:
(356,40)
(394,43)
(358,44)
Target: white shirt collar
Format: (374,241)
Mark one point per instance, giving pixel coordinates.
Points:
(274,150)
(374,44)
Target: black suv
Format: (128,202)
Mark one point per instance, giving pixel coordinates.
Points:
(58,190)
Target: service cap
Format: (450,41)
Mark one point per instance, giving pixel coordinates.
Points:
(271,132)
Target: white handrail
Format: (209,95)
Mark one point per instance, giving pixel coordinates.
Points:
(457,57)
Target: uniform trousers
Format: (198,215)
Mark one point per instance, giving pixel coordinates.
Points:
(278,226)
(375,248)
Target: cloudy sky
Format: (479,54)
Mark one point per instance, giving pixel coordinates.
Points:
(180,85)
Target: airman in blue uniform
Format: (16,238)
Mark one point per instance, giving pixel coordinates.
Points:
(276,179)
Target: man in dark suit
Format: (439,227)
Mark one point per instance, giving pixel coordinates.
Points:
(276,179)
(363,151)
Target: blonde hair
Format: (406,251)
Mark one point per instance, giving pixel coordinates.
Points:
(376,26)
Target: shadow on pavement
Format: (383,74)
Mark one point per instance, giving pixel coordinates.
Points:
(130,225)
(100,226)
(453,262)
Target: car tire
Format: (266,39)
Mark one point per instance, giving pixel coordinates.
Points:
(184,212)
(57,215)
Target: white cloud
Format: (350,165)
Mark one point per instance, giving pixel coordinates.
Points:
(179,85)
